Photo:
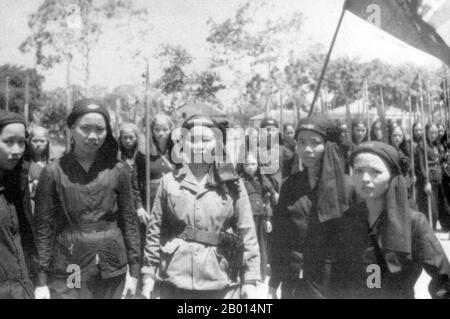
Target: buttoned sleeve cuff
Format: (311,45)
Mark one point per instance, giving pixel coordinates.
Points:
(134,270)
(149,270)
(41,279)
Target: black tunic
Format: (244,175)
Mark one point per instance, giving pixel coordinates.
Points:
(340,267)
(294,218)
(16,240)
(91,215)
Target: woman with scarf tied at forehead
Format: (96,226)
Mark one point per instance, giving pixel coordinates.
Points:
(85,215)
(379,247)
(193,208)
(308,199)
(430,188)
(16,237)
(37,157)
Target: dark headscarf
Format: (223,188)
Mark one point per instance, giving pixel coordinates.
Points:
(404,147)
(12,179)
(427,133)
(414,138)
(81,107)
(29,156)
(125,153)
(269,121)
(373,136)
(394,234)
(10,118)
(222,172)
(355,124)
(331,198)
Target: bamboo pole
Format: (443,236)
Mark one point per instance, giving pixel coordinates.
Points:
(446,105)
(147,137)
(425,147)
(68,102)
(411,133)
(281,113)
(430,108)
(7,93)
(366,90)
(383,118)
(26,108)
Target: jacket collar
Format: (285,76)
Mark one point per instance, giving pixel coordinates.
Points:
(188,180)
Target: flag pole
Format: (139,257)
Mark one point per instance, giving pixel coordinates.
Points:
(425,148)
(327,59)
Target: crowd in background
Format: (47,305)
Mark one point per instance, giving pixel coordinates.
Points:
(340,200)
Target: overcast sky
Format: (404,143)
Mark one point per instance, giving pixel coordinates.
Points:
(184,22)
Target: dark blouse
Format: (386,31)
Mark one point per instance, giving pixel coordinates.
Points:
(70,201)
(16,239)
(294,218)
(257,188)
(160,164)
(12,261)
(341,268)
(435,156)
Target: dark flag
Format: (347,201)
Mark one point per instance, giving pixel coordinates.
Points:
(423,24)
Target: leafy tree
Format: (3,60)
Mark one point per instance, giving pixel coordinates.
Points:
(17,82)
(174,59)
(70,30)
(344,79)
(243,47)
(206,85)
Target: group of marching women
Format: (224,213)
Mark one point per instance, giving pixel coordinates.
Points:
(79,227)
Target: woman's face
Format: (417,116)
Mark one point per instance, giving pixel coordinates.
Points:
(89,132)
(161,131)
(418,131)
(251,165)
(128,139)
(289,133)
(12,145)
(310,148)
(441,131)
(433,133)
(359,132)
(396,136)
(371,176)
(39,142)
(200,145)
(343,128)
(378,132)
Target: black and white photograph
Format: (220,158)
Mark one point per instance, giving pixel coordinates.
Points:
(224,150)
